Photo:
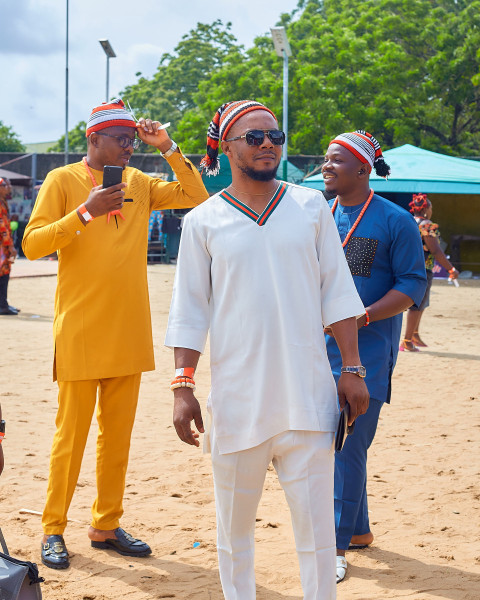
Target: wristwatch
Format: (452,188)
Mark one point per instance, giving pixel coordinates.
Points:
(357,370)
(2,426)
(170,151)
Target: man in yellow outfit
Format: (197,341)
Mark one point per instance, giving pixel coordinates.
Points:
(102,326)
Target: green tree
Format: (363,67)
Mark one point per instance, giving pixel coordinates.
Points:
(77,142)
(403,70)
(9,141)
(409,72)
(169,93)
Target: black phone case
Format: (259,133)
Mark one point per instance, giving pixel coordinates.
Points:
(111,175)
(343,428)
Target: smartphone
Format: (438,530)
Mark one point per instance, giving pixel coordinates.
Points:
(112,175)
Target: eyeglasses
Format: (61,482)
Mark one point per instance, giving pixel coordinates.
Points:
(255,137)
(123,140)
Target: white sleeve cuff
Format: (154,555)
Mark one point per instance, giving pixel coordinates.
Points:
(339,309)
(182,337)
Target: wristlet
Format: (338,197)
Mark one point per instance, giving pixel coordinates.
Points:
(343,428)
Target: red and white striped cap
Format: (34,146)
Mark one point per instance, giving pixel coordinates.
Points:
(109,114)
(360,143)
(219,127)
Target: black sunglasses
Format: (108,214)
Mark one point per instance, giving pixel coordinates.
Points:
(255,137)
(123,140)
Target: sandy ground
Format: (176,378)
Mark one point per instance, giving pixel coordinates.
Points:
(424,469)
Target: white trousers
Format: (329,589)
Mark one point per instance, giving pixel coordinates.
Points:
(304,461)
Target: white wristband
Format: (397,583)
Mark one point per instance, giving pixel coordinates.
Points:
(82,209)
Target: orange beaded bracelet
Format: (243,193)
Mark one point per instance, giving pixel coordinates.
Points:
(183,378)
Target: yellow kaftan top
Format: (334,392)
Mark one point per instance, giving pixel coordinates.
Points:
(102,325)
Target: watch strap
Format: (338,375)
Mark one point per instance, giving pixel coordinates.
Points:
(355,370)
(170,151)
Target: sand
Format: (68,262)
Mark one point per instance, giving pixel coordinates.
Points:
(423,470)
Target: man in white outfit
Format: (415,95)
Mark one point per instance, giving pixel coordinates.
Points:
(261,266)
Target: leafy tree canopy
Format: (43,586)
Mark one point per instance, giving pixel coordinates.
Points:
(408,72)
(77,142)
(170,92)
(9,141)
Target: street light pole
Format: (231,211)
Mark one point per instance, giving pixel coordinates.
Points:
(283,50)
(285,115)
(66,91)
(105,44)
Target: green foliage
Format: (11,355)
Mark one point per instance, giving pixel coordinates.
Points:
(77,142)
(9,141)
(407,71)
(170,92)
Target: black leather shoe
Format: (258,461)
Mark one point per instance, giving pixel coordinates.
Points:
(54,553)
(14,308)
(8,311)
(124,544)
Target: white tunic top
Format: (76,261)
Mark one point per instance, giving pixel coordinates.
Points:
(265,285)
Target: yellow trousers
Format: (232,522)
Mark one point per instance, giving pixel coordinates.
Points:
(117,403)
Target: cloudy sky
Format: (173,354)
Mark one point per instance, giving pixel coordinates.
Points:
(32,51)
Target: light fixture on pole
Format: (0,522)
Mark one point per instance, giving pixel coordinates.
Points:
(282,49)
(105,44)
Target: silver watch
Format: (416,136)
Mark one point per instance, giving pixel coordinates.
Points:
(170,151)
(357,370)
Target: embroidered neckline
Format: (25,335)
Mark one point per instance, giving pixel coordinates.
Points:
(359,218)
(249,212)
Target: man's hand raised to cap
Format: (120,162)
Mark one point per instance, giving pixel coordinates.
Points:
(150,133)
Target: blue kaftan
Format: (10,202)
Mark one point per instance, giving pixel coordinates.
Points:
(384,253)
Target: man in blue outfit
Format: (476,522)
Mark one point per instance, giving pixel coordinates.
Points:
(384,252)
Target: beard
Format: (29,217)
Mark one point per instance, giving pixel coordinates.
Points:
(259,175)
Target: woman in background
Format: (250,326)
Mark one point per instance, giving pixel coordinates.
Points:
(421,208)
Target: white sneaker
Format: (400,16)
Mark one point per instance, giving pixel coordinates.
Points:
(341,568)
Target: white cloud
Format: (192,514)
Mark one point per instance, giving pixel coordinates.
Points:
(32,51)
(30,27)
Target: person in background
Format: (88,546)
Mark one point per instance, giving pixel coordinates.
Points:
(8,252)
(384,253)
(102,325)
(421,208)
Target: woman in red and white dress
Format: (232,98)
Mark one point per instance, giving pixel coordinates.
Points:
(421,208)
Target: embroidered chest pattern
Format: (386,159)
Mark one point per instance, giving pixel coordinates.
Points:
(360,254)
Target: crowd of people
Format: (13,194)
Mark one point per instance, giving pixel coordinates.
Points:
(302,300)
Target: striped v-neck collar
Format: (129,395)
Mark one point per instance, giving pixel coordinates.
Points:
(249,212)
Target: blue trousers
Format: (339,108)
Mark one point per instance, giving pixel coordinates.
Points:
(350,489)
